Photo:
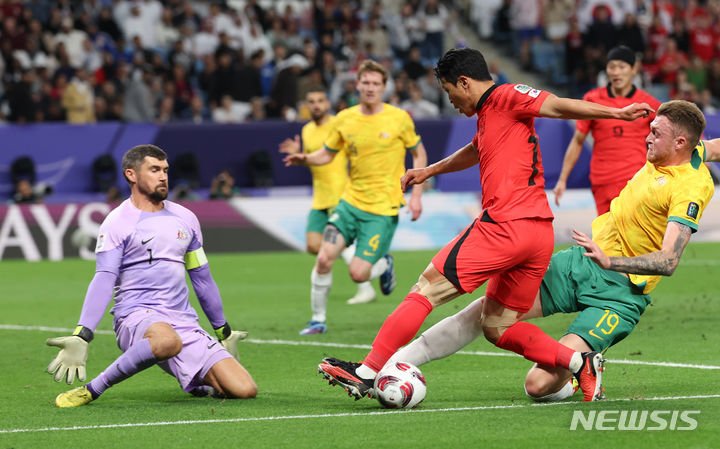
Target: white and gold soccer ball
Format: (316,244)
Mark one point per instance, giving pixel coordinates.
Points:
(400,385)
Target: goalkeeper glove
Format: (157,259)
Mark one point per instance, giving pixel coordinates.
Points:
(229,339)
(72,356)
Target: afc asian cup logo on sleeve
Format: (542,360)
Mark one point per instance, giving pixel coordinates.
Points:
(525,89)
(693,210)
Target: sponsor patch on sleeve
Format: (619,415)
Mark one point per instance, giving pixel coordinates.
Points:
(534,93)
(522,88)
(693,210)
(100,243)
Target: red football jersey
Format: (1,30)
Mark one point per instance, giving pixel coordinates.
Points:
(619,150)
(511,170)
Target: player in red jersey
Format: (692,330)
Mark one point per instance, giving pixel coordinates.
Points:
(509,244)
(619,150)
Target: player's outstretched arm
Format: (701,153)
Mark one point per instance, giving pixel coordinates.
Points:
(712,150)
(572,153)
(69,363)
(319,157)
(210,301)
(463,158)
(419,155)
(567,108)
(661,262)
(290,146)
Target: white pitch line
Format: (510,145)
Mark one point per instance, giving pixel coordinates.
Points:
(352,346)
(338,415)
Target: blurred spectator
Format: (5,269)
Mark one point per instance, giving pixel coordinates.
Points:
(205,41)
(435,19)
(24,193)
(183,90)
(165,32)
(630,34)
(414,67)
(555,18)
(702,41)
(250,77)
(257,109)
(166,110)
(106,24)
(671,62)
(197,112)
(77,99)
(284,94)
(223,186)
(417,106)
(602,33)
(73,41)
(697,74)
(713,78)
(657,35)
(484,13)
(525,19)
(223,81)
(398,31)
(23,177)
(705,103)
(230,111)
(373,34)
(256,40)
(138,105)
(681,35)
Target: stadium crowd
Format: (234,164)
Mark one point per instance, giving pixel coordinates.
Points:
(201,61)
(678,41)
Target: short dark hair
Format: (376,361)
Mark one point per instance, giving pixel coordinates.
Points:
(686,118)
(134,157)
(459,62)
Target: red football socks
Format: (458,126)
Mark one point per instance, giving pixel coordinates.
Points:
(398,329)
(535,345)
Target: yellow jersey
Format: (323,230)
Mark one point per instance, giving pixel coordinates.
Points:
(376,146)
(329,180)
(655,196)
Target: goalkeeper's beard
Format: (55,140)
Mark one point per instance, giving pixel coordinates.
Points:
(156,195)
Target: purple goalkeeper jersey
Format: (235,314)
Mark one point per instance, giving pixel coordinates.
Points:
(146,250)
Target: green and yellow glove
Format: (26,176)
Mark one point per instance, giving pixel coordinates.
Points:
(71,359)
(229,339)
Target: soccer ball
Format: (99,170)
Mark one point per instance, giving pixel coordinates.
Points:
(400,385)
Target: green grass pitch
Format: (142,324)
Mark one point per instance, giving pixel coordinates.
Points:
(473,400)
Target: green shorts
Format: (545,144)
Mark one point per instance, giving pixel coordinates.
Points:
(609,304)
(372,232)
(317,219)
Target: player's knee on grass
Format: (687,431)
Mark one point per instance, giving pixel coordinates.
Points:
(164,341)
(438,292)
(231,380)
(240,390)
(542,381)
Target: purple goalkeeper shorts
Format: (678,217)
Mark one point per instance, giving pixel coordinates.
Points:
(199,353)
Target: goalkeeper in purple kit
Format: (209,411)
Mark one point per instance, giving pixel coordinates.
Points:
(144,247)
